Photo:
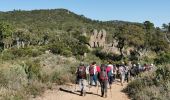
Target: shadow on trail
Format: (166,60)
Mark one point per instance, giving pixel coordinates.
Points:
(68,91)
(71,92)
(91,93)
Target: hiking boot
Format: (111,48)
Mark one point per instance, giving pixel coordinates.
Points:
(110,87)
(84,93)
(81,94)
(105,95)
(121,84)
(102,95)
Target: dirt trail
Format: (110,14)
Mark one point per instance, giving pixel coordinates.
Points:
(69,93)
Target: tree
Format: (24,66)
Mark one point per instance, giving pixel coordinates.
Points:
(129,35)
(166,27)
(6,33)
(148,25)
(149,32)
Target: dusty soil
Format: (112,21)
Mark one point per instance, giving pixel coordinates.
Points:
(70,92)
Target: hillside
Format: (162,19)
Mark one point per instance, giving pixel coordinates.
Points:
(56,17)
(41,27)
(40,48)
(53,20)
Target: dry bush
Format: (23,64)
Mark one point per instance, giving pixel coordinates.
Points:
(23,78)
(151,85)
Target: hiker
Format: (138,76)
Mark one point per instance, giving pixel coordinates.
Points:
(88,74)
(146,67)
(114,72)
(81,73)
(134,70)
(139,68)
(152,67)
(110,72)
(127,73)
(122,74)
(103,79)
(93,74)
(97,73)
(97,70)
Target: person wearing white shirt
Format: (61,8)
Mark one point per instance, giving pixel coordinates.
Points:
(92,72)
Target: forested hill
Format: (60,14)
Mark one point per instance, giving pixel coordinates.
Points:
(49,27)
(54,18)
(57,19)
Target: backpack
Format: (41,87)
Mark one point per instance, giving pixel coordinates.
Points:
(103,76)
(82,72)
(91,70)
(121,70)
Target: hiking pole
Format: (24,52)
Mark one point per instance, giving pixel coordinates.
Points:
(97,88)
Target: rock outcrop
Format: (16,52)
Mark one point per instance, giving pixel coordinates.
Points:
(97,39)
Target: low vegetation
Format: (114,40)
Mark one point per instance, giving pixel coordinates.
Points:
(152,85)
(41,48)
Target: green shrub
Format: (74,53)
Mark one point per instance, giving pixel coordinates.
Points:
(7,55)
(83,39)
(80,49)
(9,94)
(67,53)
(3,79)
(13,77)
(29,78)
(12,81)
(23,52)
(61,77)
(35,88)
(134,55)
(163,58)
(56,77)
(33,52)
(33,69)
(107,56)
(59,48)
(146,59)
(151,86)
(91,57)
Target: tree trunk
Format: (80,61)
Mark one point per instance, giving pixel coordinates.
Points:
(23,44)
(18,44)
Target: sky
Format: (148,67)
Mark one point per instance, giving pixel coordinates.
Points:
(155,11)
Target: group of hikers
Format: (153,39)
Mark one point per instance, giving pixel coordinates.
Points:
(105,74)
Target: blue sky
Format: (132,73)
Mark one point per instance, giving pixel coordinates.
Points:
(156,11)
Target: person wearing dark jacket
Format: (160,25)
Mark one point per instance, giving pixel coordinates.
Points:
(81,73)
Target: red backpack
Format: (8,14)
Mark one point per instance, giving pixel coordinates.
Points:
(82,72)
(103,76)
